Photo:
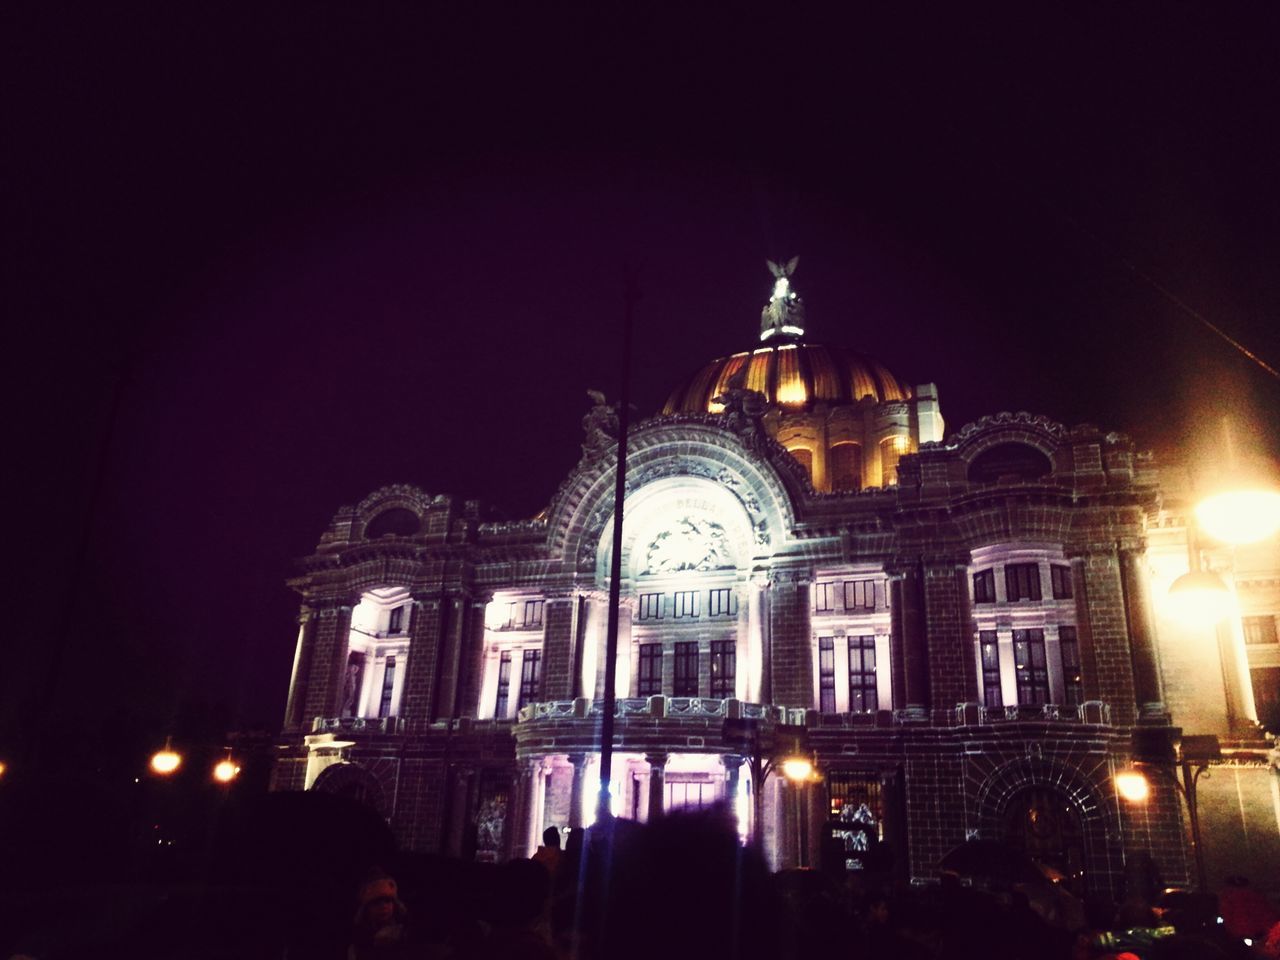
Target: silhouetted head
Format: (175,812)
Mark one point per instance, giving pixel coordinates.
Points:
(551,837)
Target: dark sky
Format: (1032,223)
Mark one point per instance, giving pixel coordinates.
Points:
(316,248)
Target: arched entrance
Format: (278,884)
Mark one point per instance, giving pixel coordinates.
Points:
(1044,824)
(353,782)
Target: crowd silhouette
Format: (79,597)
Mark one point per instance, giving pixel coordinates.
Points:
(619,891)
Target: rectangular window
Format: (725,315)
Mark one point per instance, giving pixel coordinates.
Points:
(650,606)
(686,672)
(826,675)
(1060,576)
(862,675)
(724,666)
(395,624)
(824,597)
(859,594)
(388,687)
(511,615)
(1031,664)
(989,650)
(530,674)
(504,685)
(722,603)
(1022,581)
(1073,687)
(984,586)
(685,603)
(1259,630)
(533,613)
(649,675)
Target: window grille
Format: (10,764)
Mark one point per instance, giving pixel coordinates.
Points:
(530,674)
(1259,630)
(388,687)
(724,662)
(1031,663)
(649,675)
(1060,577)
(862,675)
(826,675)
(824,597)
(504,685)
(685,603)
(859,594)
(722,603)
(1022,581)
(989,650)
(686,670)
(651,606)
(1072,683)
(533,613)
(984,586)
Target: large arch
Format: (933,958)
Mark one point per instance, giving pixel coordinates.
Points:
(355,782)
(664,449)
(1077,789)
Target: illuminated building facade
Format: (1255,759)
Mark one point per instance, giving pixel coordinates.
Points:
(964,632)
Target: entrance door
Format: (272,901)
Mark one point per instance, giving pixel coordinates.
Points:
(1043,824)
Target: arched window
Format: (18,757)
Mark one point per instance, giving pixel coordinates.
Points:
(844,466)
(891,451)
(397,521)
(1013,461)
(805,458)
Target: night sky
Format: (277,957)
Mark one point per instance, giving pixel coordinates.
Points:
(304,250)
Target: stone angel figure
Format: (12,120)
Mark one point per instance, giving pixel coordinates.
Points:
(743,409)
(784,308)
(600,426)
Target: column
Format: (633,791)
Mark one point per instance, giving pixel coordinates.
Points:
(293,713)
(732,783)
(1142,648)
(1102,606)
(791,641)
(907,629)
(757,642)
(445,697)
(558,629)
(472,657)
(579,762)
(424,651)
(657,784)
(328,663)
(457,815)
(952,676)
(520,817)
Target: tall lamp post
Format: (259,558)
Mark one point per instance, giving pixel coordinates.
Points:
(1189,756)
(768,748)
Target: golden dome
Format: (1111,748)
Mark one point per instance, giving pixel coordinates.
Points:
(793,375)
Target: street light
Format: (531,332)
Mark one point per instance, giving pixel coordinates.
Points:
(1192,755)
(226,769)
(1200,597)
(1240,516)
(769,747)
(1132,785)
(166,761)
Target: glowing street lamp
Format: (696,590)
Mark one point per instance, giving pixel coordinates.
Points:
(1240,516)
(1200,598)
(166,761)
(226,769)
(798,769)
(1132,786)
(3,768)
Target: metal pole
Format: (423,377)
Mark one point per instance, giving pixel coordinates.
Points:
(603,809)
(1193,814)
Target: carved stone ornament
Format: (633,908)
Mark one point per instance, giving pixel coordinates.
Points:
(743,410)
(688,544)
(600,426)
